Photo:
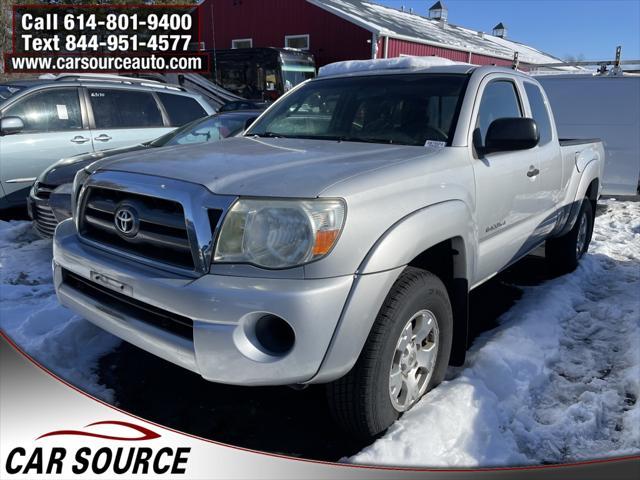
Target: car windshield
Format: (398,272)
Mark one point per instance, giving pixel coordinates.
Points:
(405,109)
(210,129)
(8,90)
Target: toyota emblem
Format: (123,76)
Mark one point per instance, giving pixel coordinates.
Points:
(126,221)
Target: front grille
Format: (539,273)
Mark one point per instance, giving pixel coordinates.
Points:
(162,234)
(43,191)
(170,322)
(44,220)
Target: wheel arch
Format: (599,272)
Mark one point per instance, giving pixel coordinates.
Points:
(588,187)
(443,250)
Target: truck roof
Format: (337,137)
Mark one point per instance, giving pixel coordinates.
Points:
(395,65)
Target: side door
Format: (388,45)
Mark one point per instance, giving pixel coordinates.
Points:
(122,117)
(54,128)
(506,190)
(552,181)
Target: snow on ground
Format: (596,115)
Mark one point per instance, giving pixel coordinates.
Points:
(557,381)
(30,314)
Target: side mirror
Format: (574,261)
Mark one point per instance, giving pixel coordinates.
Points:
(9,125)
(507,134)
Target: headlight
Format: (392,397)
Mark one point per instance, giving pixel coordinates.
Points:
(279,233)
(64,189)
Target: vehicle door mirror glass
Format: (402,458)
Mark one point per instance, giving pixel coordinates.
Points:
(10,125)
(507,134)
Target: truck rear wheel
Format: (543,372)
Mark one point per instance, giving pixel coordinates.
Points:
(405,355)
(564,253)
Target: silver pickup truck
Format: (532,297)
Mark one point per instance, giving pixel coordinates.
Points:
(337,240)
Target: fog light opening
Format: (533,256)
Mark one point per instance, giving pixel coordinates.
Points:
(274,335)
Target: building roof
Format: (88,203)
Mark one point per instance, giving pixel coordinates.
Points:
(437,6)
(500,25)
(387,21)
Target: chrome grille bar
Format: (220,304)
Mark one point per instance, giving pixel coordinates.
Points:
(176,230)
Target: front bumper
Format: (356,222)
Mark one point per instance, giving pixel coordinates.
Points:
(223,310)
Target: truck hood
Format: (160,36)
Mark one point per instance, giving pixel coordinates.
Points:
(277,167)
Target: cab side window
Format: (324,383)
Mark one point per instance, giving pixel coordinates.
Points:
(124,109)
(540,112)
(499,100)
(52,110)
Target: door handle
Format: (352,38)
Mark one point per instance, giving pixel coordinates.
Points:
(533,172)
(102,138)
(79,139)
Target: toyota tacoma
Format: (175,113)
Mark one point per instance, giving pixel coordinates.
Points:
(338,239)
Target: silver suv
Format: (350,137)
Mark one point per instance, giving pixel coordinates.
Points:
(44,120)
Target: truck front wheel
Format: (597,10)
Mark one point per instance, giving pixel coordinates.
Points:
(405,355)
(564,253)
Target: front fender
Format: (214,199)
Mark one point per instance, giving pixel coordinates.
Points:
(421,230)
(382,266)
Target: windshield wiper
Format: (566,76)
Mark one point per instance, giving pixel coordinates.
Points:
(365,140)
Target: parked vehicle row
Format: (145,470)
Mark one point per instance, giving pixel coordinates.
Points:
(337,240)
(44,120)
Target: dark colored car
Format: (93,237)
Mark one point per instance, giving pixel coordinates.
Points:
(49,201)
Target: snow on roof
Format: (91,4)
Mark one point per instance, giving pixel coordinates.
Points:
(387,21)
(397,63)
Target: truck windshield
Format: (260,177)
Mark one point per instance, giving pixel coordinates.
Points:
(404,109)
(8,90)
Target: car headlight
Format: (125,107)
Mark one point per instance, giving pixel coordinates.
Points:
(279,233)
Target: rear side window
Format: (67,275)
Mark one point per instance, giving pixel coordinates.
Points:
(124,109)
(499,100)
(49,111)
(181,109)
(540,112)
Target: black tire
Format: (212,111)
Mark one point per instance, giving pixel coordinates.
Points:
(562,253)
(360,401)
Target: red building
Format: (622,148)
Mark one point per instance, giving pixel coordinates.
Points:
(335,30)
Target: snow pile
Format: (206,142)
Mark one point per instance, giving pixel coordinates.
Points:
(353,66)
(557,381)
(31,315)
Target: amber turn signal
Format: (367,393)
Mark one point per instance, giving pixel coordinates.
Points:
(324,241)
